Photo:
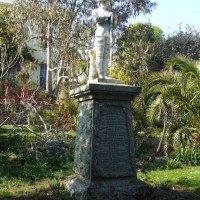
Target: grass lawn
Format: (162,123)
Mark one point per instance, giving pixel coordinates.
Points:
(25,175)
(29,173)
(50,188)
(53,188)
(185,178)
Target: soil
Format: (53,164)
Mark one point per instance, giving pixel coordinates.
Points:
(156,194)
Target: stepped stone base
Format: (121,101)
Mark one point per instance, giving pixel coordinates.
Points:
(104,163)
(117,189)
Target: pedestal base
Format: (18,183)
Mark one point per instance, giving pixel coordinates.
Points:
(116,189)
(104,164)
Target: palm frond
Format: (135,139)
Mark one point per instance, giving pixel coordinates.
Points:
(188,67)
(154,111)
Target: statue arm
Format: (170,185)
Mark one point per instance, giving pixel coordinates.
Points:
(100,20)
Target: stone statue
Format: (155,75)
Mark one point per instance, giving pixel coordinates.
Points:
(100,54)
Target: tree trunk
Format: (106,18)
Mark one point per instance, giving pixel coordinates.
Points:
(163,132)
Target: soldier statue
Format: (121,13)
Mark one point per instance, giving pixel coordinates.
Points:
(100,54)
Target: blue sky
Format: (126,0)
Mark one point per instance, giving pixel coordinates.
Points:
(170,13)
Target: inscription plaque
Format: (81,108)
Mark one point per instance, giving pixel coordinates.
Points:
(111,146)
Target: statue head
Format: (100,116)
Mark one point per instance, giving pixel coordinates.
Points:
(102,2)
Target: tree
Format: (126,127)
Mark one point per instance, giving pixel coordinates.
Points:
(143,48)
(137,54)
(64,29)
(171,104)
(9,54)
(8,48)
(183,42)
(61,28)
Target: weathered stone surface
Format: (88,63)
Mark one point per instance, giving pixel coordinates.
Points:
(113,156)
(104,162)
(133,190)
(104,87)
(116,189)
(105,91)
(83,140)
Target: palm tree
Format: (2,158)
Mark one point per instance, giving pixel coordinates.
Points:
(172,100)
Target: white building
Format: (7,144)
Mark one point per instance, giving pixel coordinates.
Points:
(38,74)
(6,2)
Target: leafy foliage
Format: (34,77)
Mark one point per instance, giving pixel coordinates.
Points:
(136,50)
(178,87)
(32,108)
(187,155)
(6,36)
(183,42)
(36,157)
(30,166)
(8,47)
(143,49)
(63,29)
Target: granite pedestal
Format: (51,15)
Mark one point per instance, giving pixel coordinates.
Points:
(104,164)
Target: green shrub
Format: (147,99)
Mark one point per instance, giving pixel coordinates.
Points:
(4,193)
(186,155)
(14,137)
(28,157)
(173,164)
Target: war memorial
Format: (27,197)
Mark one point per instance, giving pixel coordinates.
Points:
(104,164)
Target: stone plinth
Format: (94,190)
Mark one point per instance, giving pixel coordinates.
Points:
(104,164)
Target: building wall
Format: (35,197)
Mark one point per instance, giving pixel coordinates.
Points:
(6,2)
(39,54)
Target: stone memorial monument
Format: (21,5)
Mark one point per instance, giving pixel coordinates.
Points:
(104,164)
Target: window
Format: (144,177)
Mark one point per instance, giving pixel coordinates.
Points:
(43,75)
(12,73)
